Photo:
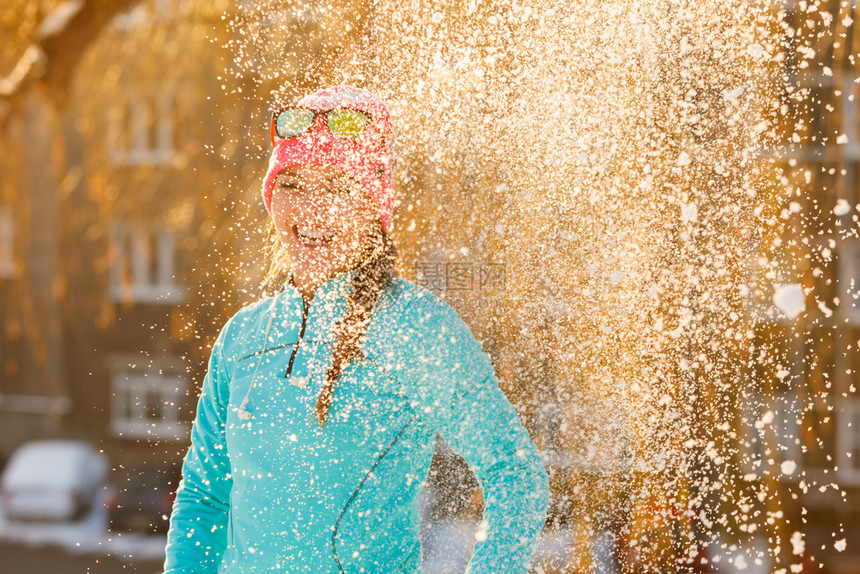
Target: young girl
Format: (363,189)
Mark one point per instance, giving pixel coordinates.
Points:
(318,415)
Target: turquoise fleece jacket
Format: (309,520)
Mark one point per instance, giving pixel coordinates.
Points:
(265,489)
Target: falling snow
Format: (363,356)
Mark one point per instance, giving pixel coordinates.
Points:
(629,159)
(676,266)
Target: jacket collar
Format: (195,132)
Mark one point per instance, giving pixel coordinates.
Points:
(332,288)
(327,305)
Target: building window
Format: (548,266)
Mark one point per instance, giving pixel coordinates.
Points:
(850,94)
(142,264)
(141,132)
(771,424)
(818,436)
(848,440)
(849,278)
(7,231)
(145,401)
(774,290)
(137,17)
(148,13)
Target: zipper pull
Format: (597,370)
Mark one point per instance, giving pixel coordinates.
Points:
(300,382)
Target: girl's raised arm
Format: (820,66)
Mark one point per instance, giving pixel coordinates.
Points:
(454,388)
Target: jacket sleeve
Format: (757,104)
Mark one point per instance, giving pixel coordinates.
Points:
(451,383)
(197,535)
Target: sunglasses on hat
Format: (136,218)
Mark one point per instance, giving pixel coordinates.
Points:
(344,123)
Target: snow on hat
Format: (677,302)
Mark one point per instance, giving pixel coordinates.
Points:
(365,158)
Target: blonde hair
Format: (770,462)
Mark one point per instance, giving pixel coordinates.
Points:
(375,272)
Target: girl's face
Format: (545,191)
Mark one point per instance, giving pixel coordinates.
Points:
(323,218)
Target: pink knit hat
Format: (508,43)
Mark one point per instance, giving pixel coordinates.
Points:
(365,158)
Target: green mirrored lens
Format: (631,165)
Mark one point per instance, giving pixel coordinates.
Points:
(293,122)
(346,123)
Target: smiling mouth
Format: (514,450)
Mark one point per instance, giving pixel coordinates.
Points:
(311,238)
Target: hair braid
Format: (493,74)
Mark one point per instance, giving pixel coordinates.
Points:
(367,285)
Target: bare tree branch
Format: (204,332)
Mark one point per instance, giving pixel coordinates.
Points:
(60,43)
(63,51)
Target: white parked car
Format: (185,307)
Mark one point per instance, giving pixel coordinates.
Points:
(52,480)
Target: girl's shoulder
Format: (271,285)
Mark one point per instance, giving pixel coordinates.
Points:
(417,331)
(408,299)
(248,316)
(408,308)
(243,330)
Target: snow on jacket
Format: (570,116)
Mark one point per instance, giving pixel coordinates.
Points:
(276,493)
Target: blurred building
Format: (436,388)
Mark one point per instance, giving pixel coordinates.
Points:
(112,207)
(803,428)
(129,221)
(130,211)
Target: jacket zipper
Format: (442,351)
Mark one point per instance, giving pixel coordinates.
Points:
(299,342)
(358,489)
